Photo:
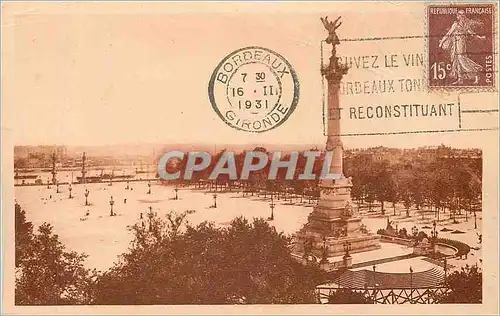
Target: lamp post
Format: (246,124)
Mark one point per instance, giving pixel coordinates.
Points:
(434,235)
(111,203)
(70,189)
(150,216)
(86,197)
(176,196)
(215,200)
(57,187)
(411,284)
(272,206)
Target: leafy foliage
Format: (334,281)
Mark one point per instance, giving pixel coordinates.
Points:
(23,234)
(347,296)
(243,263)
(466,286)
(452,184)
(47,274)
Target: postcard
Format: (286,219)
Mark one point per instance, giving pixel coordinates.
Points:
(250,157)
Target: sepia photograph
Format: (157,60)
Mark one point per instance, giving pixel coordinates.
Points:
(250,158)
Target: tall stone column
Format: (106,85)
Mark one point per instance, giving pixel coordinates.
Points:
(333,74)
(334,223)
(335,195)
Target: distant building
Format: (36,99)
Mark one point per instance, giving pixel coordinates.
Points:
(37,156)
(428,153)
(26,151)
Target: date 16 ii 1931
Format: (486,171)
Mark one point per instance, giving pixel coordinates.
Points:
(254,89)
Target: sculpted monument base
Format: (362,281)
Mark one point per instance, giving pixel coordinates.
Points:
(335,246)
(334,225)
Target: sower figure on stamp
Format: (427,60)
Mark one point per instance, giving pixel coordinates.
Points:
(455,41)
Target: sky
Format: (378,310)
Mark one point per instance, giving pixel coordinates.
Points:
(117,73)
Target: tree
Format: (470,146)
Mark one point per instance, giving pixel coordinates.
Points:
(421,235)
(347,296)
(370,196)
(23,234)
(403,233)
(203,264)
(360,168)
(409,186)
(20,163)
(385,185)
(405,196)
(299,187)
(47,274)
(465,287)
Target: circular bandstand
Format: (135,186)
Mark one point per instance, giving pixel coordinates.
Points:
(388,288)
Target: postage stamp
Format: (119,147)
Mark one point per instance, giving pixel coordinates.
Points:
(254,89)
(461,45)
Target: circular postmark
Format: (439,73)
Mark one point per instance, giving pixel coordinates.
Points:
(254,89)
